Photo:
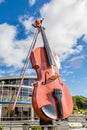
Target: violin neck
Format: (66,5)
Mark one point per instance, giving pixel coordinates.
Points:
(50,56)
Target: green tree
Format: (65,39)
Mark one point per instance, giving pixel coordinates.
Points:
(79,102)
(74,104)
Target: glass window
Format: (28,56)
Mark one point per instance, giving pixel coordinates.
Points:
(17,82)
(25,82)
(1,93)
(25,92)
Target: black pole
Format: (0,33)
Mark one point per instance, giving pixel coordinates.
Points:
(49,123)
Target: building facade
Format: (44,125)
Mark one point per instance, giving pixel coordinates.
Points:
(8,90)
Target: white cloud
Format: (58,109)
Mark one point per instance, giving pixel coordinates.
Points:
(1,73)
(12,51)
(65,22)
(30,72)
(1,1)
(9,71)
(85,78)
(85,38)
(65,72)
(76,61)
(32,2)
(27,22)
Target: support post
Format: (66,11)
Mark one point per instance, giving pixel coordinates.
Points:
(47,125)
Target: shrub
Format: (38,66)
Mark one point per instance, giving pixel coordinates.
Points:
(1,127)
(37,127)
(25,127)
(85,113)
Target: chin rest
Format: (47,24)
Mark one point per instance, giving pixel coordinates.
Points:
(49,111)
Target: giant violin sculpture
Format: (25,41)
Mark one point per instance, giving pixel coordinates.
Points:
(51,99)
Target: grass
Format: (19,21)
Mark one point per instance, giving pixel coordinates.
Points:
(83,111)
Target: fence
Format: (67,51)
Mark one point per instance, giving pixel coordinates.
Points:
(63,126)
(34,124)
(29,127)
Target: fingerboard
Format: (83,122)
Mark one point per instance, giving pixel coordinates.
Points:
(50,56)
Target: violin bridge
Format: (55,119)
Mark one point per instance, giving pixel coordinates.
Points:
(53,77)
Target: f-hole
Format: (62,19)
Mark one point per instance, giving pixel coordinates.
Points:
(45,81)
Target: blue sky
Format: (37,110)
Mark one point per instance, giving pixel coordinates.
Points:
(66,29)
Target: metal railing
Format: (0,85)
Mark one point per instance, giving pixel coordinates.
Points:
(25,126)
(33,123)
(29,120)
(31,127)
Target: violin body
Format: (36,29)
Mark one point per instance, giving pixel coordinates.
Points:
(51,99)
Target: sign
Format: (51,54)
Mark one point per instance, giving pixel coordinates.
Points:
(75,125)
(79,129)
